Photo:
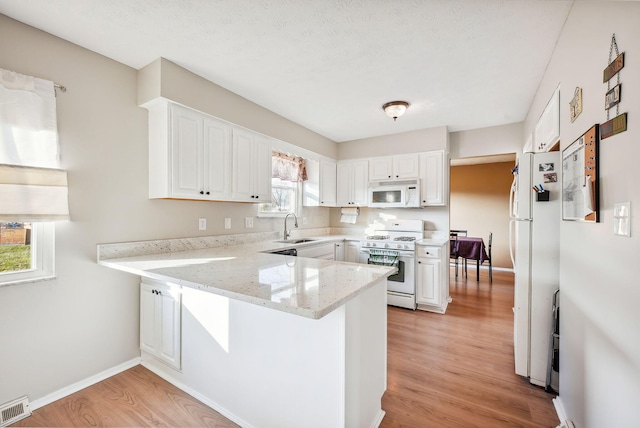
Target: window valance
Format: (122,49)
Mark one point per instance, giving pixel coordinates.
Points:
(288,168)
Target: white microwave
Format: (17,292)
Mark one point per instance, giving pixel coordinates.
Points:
(394,194)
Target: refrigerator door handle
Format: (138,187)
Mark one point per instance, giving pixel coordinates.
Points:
(513,260)
(512,193)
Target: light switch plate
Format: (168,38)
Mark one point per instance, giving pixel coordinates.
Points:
(202,224)
(248,222)
(227,223)
(622,219)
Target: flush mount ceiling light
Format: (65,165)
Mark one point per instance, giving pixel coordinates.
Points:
(395,109)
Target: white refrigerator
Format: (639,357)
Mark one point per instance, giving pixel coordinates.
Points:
(534,245)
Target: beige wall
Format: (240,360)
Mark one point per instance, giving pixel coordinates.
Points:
(599,293)
(494,140)
(480,204)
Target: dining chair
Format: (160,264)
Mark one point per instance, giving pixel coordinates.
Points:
(489,256)
(453,235)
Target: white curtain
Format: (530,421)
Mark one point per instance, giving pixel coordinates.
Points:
(32,187)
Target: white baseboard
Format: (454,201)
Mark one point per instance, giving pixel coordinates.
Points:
(61,393)
(560,411)
(378,420)
(195,394)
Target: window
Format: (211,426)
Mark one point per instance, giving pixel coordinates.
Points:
(288,173)
(284,199)
(26,252)
(33,190)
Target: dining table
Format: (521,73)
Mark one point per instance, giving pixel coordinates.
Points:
(469,248)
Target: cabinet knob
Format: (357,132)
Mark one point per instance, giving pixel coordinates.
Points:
(419,262)
(397,176)
(207,193)
(389,176)
(201,192)
(252,196)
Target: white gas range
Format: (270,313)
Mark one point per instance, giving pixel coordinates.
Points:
(393,244)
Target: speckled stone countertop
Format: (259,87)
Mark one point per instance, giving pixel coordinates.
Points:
(311,288)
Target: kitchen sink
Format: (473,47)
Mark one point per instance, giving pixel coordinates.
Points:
(295,241)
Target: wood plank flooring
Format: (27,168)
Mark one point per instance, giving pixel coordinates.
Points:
(457,370)
(454,370)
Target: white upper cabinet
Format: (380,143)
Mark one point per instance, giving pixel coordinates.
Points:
(196,156)
(328,196)
(251,167)
(547,130)
(394,167)
(433,179)
(352,183)
(380,169)
(319,190)
(189,154)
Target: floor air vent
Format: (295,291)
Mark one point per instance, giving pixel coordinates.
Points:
(14,411)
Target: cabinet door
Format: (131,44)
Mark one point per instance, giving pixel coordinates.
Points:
(428,281)
(261,169)
(186,153)
(344,185)
(169,302)
(242,164)
(432,174)
(339,251)
(217,159)
(148,337)
(360,183)
(352,252)
(406,166)
(547,130)
(328,191)
(380,168)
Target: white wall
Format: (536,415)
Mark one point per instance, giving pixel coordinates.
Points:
(59,332)
(600,344)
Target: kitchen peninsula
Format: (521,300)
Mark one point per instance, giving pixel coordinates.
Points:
(265,339)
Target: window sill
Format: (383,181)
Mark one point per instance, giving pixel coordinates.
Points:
(27,281)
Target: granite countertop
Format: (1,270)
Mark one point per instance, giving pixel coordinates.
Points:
(439,241)
(311,288)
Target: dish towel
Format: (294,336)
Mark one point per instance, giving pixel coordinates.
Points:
(383,258)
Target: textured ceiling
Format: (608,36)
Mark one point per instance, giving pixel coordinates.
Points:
(329,65)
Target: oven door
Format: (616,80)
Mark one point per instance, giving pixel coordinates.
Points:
(404,281)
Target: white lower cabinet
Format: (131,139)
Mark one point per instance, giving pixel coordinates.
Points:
(161,321)
(322,251)
(432,282)
(352,251)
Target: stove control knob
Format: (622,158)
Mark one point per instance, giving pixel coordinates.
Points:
(386,245)
(374,245)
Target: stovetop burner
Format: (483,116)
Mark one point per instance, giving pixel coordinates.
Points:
(405,238)
(377,237)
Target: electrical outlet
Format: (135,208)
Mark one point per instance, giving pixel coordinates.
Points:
(248,222)
(202,224)
(227,223)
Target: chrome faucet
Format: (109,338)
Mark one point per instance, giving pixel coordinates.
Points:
(287,233)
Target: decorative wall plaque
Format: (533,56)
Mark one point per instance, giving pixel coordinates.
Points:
(575,105)
(612,97)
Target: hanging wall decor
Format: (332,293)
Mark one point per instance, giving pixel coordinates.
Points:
(612,97)
(575,105)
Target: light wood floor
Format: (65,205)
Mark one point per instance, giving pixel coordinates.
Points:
(454,370)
